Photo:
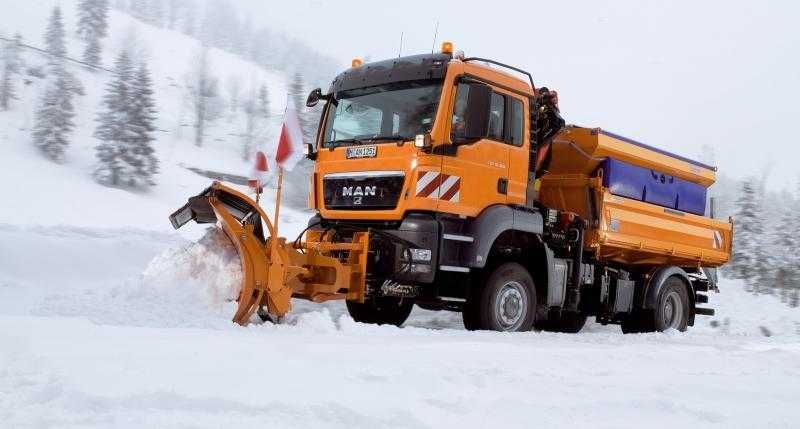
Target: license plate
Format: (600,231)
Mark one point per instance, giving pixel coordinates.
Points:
(362,152)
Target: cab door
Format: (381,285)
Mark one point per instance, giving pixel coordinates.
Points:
(478,170)
(519,148)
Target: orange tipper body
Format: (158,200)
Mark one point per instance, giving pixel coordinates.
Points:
(630,231)
(453,183)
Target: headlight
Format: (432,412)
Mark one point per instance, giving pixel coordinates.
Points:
(420,255)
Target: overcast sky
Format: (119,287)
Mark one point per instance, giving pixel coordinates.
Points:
(676,75)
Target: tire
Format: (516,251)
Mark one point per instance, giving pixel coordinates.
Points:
(381,311)
(672,311)
(569,323)
(505,302)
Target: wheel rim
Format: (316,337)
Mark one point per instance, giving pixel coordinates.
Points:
(673,310)
(511,306)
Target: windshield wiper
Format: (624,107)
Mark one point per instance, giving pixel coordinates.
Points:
(384,138)
(337,143)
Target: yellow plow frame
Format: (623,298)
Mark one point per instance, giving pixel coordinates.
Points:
(274,271)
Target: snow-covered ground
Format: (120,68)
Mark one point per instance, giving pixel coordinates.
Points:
(94,334)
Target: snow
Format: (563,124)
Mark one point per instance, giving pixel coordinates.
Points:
(109,318)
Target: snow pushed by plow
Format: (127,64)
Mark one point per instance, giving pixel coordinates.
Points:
(211,265)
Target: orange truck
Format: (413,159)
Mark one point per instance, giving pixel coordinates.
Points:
(454,184)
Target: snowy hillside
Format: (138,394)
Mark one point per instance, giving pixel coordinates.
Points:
(68,188)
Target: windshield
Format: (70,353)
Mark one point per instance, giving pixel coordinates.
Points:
(396,111)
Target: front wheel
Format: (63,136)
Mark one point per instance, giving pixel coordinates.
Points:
(505,302)
(381,311)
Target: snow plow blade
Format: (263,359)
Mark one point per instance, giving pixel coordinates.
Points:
(273,271)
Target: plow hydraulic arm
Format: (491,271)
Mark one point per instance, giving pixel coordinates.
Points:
(273,271)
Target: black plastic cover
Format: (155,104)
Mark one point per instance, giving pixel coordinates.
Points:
(414,67)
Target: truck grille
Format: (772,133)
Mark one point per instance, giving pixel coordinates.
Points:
(363,190)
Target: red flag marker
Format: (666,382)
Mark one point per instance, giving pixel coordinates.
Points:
(291,139)
(258,176)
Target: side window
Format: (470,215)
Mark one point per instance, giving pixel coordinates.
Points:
(517,122)
(497,116)
(459,110)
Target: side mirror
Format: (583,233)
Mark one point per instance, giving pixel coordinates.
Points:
(308,151)
(314,97)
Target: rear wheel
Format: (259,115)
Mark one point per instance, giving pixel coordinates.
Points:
(506,302)
(672,311)
(381,311)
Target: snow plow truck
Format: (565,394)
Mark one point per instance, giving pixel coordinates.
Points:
(452,183)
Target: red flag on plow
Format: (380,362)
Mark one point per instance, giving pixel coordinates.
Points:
(291,140)
(258,176)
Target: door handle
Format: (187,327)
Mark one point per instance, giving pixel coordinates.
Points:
(502,186)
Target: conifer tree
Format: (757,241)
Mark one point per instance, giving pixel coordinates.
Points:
(54,42)
(11,67)
(263,102)
(747,232)
(53,122)
(92,27)
(309,118)
(256,108)
(203,95)
(141,154)
(55,113)
(112,129)
(787,239)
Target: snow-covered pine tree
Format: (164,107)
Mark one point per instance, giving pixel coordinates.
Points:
(53,122)
(112,128)
(142,117)
(787,240)
(234,87)
(762,279)
(53,118)
(309,118)
(54,42)
(256,107)
(263,102)
(11,67)
(747,231)
(249,108)
(203,95)
(92,27)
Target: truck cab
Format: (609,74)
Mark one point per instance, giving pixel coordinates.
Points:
(404,136)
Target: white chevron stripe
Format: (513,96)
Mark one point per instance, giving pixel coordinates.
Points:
(444,187)
(426,178)
(455,197)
